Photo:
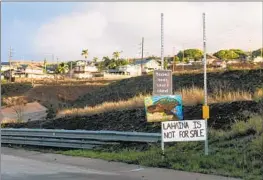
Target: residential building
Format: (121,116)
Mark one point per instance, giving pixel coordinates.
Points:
(258,59)
(5,66)
(211,58)
(147,65)
(84,69)
(219,64)
(234,61)
(132,70)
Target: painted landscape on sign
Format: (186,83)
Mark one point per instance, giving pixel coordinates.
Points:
(163,108)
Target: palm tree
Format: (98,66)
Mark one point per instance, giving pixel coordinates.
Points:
(45,65)
(116,54)
(85,53)
(62,68)
(95,59)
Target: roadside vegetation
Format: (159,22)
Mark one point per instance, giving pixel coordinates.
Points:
(237,152)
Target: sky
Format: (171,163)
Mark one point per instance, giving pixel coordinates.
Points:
(36,30)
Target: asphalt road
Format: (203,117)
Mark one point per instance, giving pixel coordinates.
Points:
(19,164)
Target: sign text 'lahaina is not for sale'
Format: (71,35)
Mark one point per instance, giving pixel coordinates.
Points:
(190,130)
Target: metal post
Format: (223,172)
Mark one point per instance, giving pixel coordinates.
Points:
(70,69)
(142,54)
(32,74)
(205,82)
(162,58)
(162,143)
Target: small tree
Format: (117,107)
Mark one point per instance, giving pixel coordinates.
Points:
(18,106)
(62,68)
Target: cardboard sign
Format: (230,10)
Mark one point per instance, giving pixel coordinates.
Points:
(162,82)
(191,130)
(163,108)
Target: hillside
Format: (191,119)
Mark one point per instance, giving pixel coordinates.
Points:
(229,81)
(222,117)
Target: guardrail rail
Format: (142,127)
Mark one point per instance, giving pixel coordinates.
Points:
(80,139)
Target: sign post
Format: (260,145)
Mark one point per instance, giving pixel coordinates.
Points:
(162,85)
(205,81)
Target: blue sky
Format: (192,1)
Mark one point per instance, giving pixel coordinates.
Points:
(19,22)
(37,29)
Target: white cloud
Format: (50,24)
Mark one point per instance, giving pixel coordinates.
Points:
(106,27)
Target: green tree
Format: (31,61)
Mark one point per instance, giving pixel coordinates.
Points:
(176,59)
(62,68)
(95,59)
(241,54)
(227,54)
(220,54)
(116,55)
(257,53)
(186,55)
(85,53)
(165,64)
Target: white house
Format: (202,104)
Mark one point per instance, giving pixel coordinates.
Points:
(33,70)
(132,70)
(147,65)
(258,59)
(83,70)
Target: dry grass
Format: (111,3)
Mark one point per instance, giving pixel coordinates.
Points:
(221,96)
(135,102)
(191,96)
(258,94)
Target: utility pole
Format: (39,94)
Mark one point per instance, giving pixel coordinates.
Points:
(173,58)
(162,58)
(32,82)
(70,69)
(142,53)
(53,58)
(10,56)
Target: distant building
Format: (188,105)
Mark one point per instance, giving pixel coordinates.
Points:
(5,66)
(234,61)
(219,64)
(132,70)
(84,69)
(211,58)
(258,59)
(147,65)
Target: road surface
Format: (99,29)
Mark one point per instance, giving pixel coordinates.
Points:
(18,164)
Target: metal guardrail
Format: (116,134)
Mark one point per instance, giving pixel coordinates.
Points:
(79,139)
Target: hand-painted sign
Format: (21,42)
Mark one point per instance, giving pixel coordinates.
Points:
(190,130)
(163,108)
(162,82)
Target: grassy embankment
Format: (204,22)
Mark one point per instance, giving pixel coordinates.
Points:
(237,152)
